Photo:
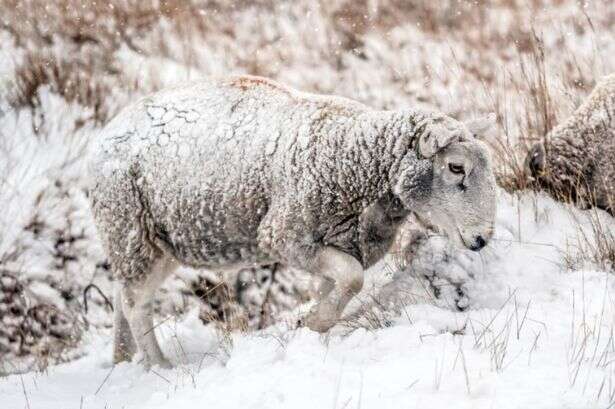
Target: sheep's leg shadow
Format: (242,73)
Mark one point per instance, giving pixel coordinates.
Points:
(137,297)
(343,279)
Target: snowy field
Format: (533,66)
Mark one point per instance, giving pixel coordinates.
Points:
(536,323)
(535,335)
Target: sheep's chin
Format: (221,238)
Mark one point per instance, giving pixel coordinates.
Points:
(423,223)
(454,236)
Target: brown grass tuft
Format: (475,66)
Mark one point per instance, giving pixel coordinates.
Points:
(537,119)
(75,81)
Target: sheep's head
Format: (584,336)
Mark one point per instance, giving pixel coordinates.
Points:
(451,187)
(562,167)
(535,161)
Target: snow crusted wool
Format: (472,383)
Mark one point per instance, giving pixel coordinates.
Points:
(576,161)
(244,171)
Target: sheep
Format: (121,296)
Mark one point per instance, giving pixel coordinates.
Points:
(243,171)
(576,160)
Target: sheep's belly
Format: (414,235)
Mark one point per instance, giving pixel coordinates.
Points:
(214,254)
(213,230)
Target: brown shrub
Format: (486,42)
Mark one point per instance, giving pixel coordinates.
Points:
(75,81)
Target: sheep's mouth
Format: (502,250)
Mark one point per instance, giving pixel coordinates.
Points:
(440,230)
(462,240)
(424,224)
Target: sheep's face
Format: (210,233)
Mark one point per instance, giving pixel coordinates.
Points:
(564,179)
(453,191)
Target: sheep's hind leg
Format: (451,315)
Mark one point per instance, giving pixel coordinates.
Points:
(343,275)
(137,298)
(124,346)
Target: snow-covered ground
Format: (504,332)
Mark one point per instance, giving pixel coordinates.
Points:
(535,335)
(539,310)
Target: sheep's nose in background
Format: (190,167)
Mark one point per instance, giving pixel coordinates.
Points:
(536,160)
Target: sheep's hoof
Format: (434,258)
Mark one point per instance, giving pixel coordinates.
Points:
(164,364)
(161,363)
(120,356)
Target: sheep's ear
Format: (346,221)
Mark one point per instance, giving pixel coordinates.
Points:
(436,137)
(480,126)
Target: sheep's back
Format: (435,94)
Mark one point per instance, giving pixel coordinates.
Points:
(205,158)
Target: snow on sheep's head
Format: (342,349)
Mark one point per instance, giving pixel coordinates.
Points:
(451,187)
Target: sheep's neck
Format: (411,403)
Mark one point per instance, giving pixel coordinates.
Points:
(365,155)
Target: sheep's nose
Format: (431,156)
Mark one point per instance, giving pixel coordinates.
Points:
(479,243)
(536,160)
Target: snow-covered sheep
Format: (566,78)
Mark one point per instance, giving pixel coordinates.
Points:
(245,171)
(576,161)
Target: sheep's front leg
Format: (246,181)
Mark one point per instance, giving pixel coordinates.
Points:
(343,279)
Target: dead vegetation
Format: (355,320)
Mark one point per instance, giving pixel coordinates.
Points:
(76,81)
(594,246)
(33,329)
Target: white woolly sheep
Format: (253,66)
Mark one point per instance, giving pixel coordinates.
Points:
(244,171)
(576,161)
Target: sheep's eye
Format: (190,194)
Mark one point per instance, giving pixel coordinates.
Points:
(457,169)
